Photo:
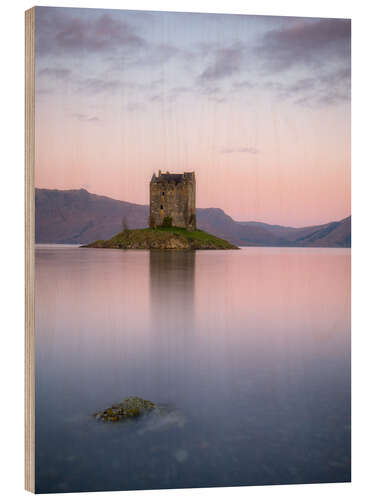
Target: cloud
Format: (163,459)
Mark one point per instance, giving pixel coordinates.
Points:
(226,61)
(252,151)
(243,85)
(157,98)
(104,83)
(68,31)
(306,42)
(336,77)
(41,91)
(333,87)
(157,55)
(323,89)
(218,100)
(207,90)
(324,96)
(104,50)
(180,90)
(58,73)
(97,85)
(304,60)
(301,85)
(285,91)
(85,32)
(85,118)
(134,106)
(157,82)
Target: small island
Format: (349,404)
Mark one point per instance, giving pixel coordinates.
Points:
(163,238)
(172,220)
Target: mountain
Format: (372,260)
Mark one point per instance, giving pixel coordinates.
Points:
(333,234)
(77,216)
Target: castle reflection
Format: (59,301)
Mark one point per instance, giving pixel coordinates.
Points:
(172,328)
(172,279)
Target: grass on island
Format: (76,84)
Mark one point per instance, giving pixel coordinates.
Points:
(163,237)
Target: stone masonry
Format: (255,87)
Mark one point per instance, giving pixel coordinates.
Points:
(173,195)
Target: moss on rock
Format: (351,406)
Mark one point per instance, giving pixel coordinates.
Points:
(129,408)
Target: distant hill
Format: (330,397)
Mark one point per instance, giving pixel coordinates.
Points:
(77,216)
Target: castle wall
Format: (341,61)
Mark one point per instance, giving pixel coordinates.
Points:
(173,198)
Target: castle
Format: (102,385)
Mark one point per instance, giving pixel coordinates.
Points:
(173,196)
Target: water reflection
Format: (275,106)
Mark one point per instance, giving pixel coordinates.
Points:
(172,288)
(172,324)
(251,347)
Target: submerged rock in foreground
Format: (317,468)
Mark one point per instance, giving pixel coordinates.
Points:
(128,408)
(160,417)
(171,238)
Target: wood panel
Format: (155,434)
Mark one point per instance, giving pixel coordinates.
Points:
(29,251)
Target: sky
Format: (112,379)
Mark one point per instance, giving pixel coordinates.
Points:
(259,107)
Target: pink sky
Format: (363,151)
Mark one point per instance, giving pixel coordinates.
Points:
(122,94)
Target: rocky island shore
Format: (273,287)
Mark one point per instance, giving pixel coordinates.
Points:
(170,238)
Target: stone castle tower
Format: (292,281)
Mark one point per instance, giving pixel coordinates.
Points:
(173,195)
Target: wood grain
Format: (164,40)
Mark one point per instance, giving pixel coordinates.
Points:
(29,251)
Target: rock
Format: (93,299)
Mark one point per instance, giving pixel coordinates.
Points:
(129,408)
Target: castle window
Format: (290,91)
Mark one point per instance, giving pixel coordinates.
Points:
(161,207)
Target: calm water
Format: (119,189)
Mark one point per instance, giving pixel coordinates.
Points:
(249,349)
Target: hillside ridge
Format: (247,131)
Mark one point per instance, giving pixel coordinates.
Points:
(78,216)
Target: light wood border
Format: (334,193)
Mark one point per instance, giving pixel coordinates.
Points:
(29,250)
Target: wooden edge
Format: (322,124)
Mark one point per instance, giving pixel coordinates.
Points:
(29,251)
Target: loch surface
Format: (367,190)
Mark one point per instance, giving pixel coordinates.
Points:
(249,350)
